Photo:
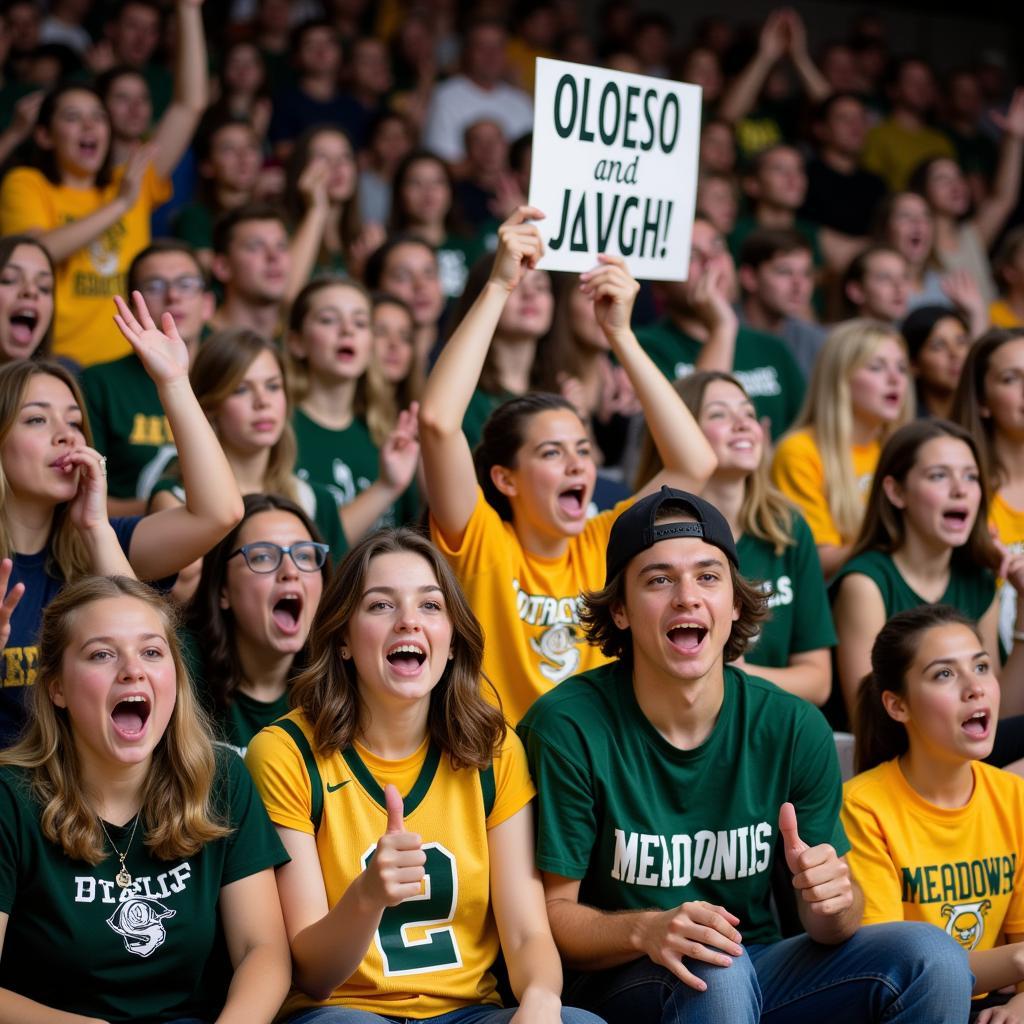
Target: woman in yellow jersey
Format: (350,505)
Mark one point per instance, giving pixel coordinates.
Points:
(858,395)
(404,802)
(514,525)
(936,834)
(990,405)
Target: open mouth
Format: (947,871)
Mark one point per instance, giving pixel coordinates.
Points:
(23,325)
(130,716)
(346,352)
(955,517)
(88,147)
(977,725)
(570,501)
(687,636)
(407,658)
(286,613)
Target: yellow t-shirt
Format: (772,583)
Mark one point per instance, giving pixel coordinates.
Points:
(958,869)
(528,606)
(87,281)
(799,473)
(1008,522)
(432,953)
(893,152)
(1001,315)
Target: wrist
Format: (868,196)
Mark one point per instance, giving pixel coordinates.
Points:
(539,997)
(175,390)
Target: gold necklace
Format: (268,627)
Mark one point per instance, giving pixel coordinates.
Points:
(123,877)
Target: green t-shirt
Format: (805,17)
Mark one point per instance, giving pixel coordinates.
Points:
(346,462)
(455,256)
(155,952)
(762,363)
(645,825)
(971,591)
(245,716)
(193,223)
(480,407)
(746,224)
(128,426)
(800,618)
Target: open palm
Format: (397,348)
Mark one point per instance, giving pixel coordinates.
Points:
(163,352)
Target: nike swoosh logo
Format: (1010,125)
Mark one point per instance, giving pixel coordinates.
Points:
(335,788)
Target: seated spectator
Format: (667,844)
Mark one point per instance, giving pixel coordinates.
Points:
(229,162)
(896,146)
(134,35)
(251,613)
(841,195)
(651,42)
(26,299)
(964,121)
(476,193)
(127,417)
(316,97)
(937,346)
(718,200)
(776,278)
(406,266)
(477,92)
(925,802)
(243,92)
(511,516)
(394,351)
(391,703)
(924,540)
(859,394)
(117,741)
(773,542)
(700,331)
(1008,267)
(877,284)
(536,35)
(423,204)
(369,83)
(390,139)
(963,235)
(717,147)
(700,65)
(54,514)
(628,750)
(63,25)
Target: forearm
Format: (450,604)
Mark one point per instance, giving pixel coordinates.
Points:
(305,247)
(814,82)
(997,968)
(832,929)
(1005,188)
(15,1009)
(740,97)
(191,61)
(66,240)
(106,556)
(126,506)
(593,940)
(809,681)
(1012,676)
(719,351)
(258,986)
(454,378)
(680,442)
(534,969)
(326,954)
(360,515)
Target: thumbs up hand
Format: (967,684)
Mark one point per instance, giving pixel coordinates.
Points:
(819,875)
(396,870)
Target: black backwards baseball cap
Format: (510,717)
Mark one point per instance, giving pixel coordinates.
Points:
(636,530)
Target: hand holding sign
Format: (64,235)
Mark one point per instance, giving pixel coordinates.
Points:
(819,875)
(519,248)
(396,871)
(613,291)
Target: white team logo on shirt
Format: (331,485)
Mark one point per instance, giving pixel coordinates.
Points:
(558,645)
(140,922)
(966,922)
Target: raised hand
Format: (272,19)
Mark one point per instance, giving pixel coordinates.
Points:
(396,871)
(519,248)
(1012,122)
(87,510)
(10,601)
(400,453)
(774,38)
(819,875)
(312,183)
(709,299)
(700,931)
(163,352)
(613,290)
(134,171)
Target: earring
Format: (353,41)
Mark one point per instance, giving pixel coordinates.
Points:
(345,654)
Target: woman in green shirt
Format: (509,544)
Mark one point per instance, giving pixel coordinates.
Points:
(251,613)
(136,861)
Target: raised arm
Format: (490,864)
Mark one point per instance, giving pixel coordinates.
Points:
(177,126)
(814,82)
(308,236)
(447,459)
(741,96)
(167,541)
(994,210)
(685,453)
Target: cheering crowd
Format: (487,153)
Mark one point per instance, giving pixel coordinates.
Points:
(394,630)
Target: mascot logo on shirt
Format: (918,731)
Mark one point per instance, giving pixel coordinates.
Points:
(140,922)
(557,644)
(966,922)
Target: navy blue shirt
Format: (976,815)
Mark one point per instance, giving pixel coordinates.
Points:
(21,655)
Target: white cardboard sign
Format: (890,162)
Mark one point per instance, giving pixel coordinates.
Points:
(614,168)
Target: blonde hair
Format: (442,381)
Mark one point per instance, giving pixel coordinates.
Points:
(219,367)
(67,556)
(177,812)
(828,412)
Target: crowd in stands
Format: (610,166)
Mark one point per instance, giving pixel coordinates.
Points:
(394,630)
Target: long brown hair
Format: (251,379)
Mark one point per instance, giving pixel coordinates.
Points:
(220,365)
(177,795)
(7,246)
(67,557)
(460,721)
(883,528)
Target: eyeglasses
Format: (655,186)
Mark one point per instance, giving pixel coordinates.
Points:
(187,284)
(265,556)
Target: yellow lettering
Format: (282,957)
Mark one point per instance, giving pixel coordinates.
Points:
(150,430)
(20,665)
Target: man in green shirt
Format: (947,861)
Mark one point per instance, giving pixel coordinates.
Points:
(127,420)
(667,784)
(701,332)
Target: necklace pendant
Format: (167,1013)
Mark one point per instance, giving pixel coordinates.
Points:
(122,878)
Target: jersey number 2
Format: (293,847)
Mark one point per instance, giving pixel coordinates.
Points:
(431,913)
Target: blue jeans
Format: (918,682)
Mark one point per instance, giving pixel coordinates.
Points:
(902,973)
(484,1014)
